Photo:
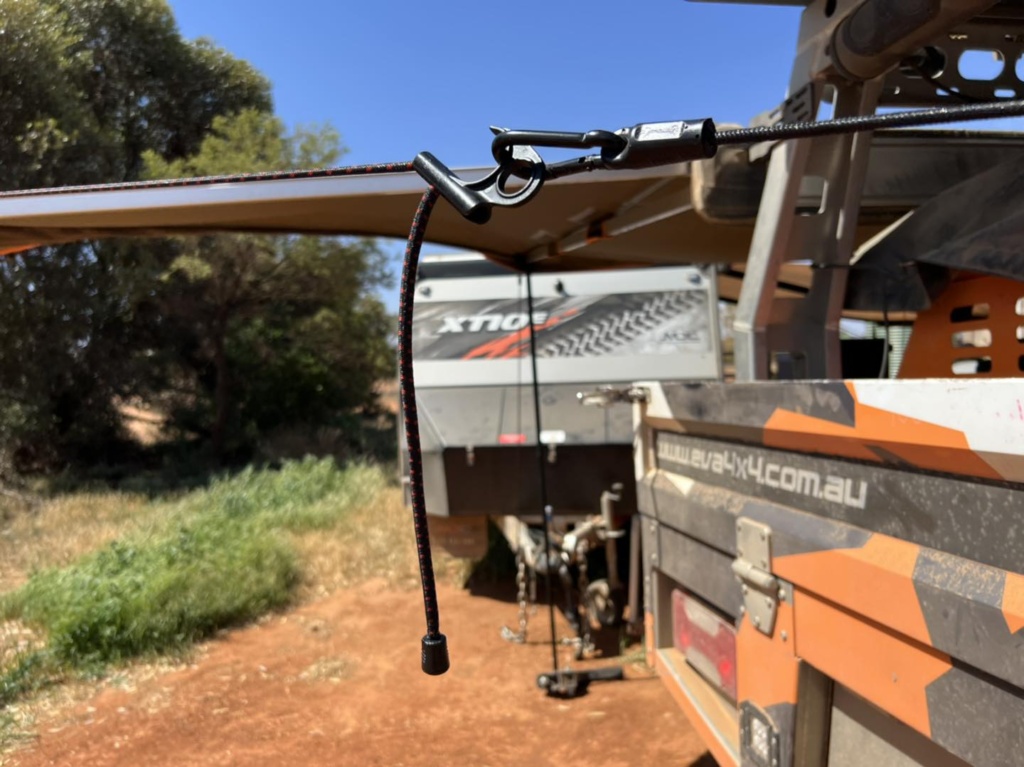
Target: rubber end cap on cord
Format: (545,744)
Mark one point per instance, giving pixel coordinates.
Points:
(435,654)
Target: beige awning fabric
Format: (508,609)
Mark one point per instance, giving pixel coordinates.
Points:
(594,221)
(597,220)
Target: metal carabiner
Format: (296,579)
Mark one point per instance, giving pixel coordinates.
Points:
(506,141)
(644,145)
(641,146)
(476,200)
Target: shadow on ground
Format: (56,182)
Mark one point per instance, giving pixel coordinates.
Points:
(706,760)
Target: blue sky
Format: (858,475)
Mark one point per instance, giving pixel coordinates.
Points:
(396,77)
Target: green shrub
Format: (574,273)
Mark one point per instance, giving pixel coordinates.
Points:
(312,494)
(213,558)
(24,674)
(133,598)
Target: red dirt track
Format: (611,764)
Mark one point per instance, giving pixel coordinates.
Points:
(337,682)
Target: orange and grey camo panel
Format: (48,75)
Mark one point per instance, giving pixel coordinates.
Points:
(894,510)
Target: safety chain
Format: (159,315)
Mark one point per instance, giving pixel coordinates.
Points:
(586,639)
(507,633)
(521,584)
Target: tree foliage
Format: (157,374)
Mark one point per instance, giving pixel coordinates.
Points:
(107,90)
(87,86)
(271,330)
(40,118)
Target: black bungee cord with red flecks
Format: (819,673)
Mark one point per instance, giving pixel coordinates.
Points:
(434,659)
(229,178)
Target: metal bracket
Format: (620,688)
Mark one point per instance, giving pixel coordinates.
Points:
(753,569)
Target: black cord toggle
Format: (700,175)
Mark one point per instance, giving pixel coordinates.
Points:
(476,200)
(469,202)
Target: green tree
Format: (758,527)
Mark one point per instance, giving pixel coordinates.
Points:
(40,113)
(271,330)
(86,87)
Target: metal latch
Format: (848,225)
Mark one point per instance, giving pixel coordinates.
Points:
(753,569)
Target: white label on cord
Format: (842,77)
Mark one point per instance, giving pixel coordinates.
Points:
(552,436)
(654,131)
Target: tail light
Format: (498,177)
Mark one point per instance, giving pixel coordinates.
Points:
(706,640)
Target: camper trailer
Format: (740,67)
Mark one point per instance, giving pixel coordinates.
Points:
(594,332)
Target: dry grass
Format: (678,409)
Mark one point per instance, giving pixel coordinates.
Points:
(375,541)
(59,531)
(354,533)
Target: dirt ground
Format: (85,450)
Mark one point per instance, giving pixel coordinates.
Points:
(338,682)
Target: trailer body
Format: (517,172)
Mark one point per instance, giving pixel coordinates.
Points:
(471,351)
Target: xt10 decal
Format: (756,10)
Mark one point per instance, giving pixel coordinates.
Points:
(666,322)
